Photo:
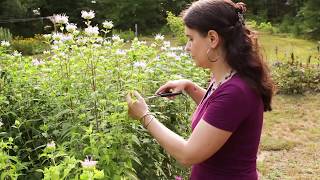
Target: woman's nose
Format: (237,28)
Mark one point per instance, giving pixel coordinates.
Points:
(187,47)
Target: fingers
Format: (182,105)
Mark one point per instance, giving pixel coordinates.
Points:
(164,88)
(138,95)
(129,99)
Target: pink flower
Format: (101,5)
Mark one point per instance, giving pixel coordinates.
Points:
(178,178)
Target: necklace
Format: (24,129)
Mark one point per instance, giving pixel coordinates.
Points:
(215,86)
(211,89)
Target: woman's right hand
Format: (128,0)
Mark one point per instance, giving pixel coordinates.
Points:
(174,86)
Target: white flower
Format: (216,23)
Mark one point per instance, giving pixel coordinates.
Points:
(116,38)
(159,37)
(93,2)
(180,48)
(5,43)
(107,24)
(81,41)
(139,65)
(88,163)
(57,36)
(46,52)
(120,52)
(36,11)
(173,55)
(99,40)
(71,27)
(16,54)
(52,144)
(96,45)
(66,38)
(37,62)
(55,47)
(87,15)
(91,31)
(47,36)
(60,19)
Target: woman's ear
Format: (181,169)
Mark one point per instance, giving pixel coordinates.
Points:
(214,39)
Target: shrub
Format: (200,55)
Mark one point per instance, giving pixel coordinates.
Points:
(5,34)
(296,78)
(177,27)
(126,35)
(30,46)
(75,95)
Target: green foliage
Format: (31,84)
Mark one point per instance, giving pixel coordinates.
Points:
(10,166)
(30,46)
(126,35)
(296,78)
(74,95)
(5,34)
(267,27)
(263,26)
(310,13)
(177,27)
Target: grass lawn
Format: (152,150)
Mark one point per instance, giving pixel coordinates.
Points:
(276,47)
(290,144)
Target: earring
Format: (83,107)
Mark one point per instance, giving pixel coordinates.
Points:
(212,60)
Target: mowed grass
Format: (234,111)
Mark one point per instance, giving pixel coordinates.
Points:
(281,47)
(290,142)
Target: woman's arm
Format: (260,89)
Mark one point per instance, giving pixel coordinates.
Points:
(202,144)
(194,91)
(204,141)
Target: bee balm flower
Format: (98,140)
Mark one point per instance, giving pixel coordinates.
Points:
(88,163)
(87,15)
(107,24)
(91,31)
(71,27)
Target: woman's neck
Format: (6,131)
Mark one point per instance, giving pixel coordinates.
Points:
(220,70)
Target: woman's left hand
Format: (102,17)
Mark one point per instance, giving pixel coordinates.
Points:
(136,108)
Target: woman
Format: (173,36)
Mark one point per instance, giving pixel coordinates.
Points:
(226,125)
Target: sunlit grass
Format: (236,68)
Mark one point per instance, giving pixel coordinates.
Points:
(290,141)
(276,47)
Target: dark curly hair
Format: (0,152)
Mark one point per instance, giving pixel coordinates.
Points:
(240,43)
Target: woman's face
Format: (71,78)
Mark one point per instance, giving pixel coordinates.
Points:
(197,46)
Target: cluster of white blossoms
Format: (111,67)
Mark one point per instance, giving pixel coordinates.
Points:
(36,11)
(87,14)
(140,65)
(121,52)
(71,27)
(159,37)
(88,163)
(59,19)
(37,62)
(107,24)
(16,53)
(5,43)
(92,31)
(116,38)
(52,144)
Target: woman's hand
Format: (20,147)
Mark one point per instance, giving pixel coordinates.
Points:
(174,86)
(136,108)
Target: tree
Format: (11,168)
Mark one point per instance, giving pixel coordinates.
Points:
(311,18)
